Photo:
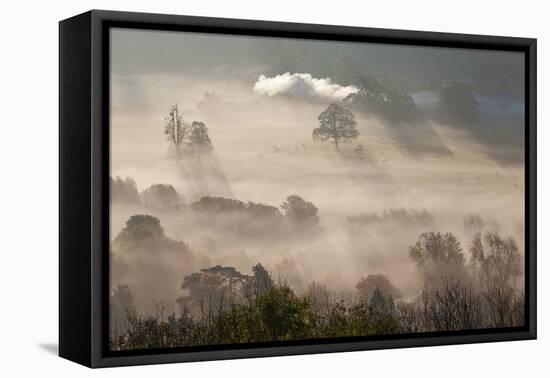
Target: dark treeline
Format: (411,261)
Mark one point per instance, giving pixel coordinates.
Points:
(220,305)
(295,216)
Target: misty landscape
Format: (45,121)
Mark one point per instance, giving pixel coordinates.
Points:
(269,189)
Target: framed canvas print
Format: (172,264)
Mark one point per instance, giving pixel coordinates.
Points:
(234,188)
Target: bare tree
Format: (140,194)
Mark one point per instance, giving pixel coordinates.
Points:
(300,212)
(438,256)
(174,127)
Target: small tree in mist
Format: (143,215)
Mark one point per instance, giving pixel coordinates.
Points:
(336,124)
(161,197)
(438,255)
(198,137)
(174,127)
(376,95)
(193,138)
(300,212)
(495,259)
(141,226)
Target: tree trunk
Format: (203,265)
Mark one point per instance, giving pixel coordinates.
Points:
(336,143)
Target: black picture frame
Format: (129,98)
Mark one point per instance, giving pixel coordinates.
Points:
(84,186)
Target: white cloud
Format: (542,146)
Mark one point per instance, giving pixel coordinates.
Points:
(302,85)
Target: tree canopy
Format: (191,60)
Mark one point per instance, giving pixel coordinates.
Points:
(174,126)
(299,211)
(336,124)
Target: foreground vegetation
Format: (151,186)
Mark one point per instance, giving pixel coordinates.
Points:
(221,305)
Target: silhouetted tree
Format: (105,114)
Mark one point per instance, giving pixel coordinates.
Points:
(450,306)
(206,294)
(212,290)
(438,256)
(193,138)
(198,139)
(336,124)
(174,127)
(299,211)
(261,211)
(218,205)
(496,260)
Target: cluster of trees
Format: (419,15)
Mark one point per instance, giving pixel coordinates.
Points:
(375,96)
(457,104)
(221,305)
(236,308)
(188,138)
(337,125)
(143,239)
(295,216)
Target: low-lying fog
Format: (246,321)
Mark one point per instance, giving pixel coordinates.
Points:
(263,152)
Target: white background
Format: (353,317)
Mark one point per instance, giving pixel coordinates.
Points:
(29,187)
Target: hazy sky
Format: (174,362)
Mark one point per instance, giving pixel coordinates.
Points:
(147,52)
